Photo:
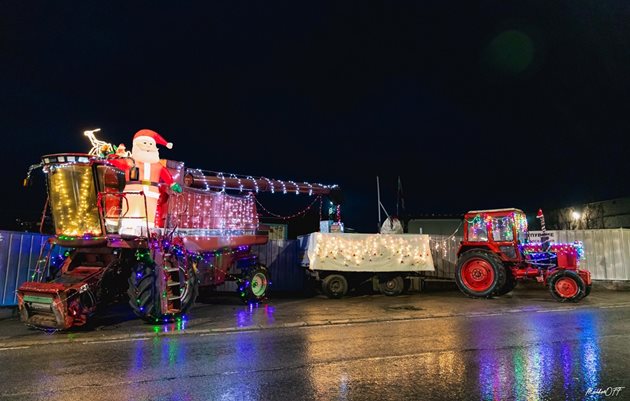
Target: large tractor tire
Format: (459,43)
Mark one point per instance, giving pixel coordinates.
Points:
(480,273)
(567,286)
(146,298)
(510,283)
(391,285)
(254,284)
(335,286)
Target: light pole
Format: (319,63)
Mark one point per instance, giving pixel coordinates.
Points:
(576,216)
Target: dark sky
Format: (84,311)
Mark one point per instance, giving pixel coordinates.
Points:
(474,105)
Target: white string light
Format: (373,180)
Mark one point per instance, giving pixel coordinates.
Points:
(297,188)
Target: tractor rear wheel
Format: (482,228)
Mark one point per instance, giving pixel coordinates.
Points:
(391,285)
(479,273)
(510,283)
(335,286)
(150,302)
(567,286)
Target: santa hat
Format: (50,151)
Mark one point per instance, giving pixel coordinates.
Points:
(145,134)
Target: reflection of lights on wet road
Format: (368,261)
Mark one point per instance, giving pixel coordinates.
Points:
(178,325)
(343,386)
(332,368)
(254,313)
(544,365)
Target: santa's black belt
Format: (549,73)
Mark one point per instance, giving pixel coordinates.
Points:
(142,182)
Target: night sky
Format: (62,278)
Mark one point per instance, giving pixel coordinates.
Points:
(478,105)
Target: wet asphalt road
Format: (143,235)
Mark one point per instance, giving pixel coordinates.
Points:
(547,354)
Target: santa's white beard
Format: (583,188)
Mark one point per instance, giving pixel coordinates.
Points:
(143,156)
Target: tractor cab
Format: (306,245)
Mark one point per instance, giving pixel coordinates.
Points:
(500,231)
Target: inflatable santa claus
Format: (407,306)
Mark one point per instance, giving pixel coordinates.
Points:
(150,177)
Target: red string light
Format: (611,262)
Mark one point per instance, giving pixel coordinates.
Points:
(298,214)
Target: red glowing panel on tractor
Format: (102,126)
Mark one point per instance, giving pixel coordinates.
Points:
(212,211)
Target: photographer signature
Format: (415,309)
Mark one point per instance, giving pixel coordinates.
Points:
(607,392)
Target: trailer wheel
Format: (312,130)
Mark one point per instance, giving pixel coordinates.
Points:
(391,285)
(567,286)
(335,286)
(254,284)
(146,301)
(510,283)
(479,273)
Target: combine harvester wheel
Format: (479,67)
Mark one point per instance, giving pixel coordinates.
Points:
(254,284)
(162,296)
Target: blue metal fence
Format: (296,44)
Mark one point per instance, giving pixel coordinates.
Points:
(281,258)
(18,254)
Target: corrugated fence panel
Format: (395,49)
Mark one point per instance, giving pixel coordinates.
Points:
(444,252)
(281,258)
(606,251)
(19,252)
(625,253)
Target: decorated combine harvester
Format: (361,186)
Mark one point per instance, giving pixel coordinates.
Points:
(495,254)
(150,229)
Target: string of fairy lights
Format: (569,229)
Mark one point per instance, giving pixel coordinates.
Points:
(73,200)
(271,182)
(294,215)
(360,249)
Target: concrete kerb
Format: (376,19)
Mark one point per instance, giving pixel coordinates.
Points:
(614,285)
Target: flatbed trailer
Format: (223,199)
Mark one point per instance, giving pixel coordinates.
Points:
(342,261)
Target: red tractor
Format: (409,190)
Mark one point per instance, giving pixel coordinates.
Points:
(495,255)
(200,235)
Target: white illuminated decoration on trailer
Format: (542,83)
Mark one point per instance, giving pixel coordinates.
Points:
(370,252)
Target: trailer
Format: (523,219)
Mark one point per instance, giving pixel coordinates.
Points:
(342,261)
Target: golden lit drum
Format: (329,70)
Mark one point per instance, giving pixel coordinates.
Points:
(73,200)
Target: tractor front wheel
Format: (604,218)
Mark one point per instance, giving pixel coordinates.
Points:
(567,286)
(587,291)
(479,273)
